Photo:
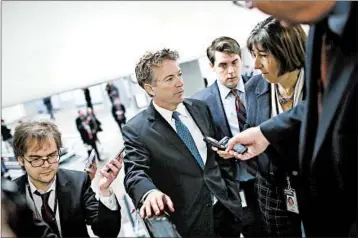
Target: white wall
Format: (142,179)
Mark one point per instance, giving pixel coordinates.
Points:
(55,46)
(13,113)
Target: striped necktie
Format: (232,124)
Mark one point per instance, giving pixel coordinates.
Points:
(240,109)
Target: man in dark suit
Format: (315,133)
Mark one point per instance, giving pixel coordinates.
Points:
(224,97)
(323,129)
(168,166)
(119,113)
(88,135)
(64,199)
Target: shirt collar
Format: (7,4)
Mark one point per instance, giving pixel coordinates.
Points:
(167,114)
(225,91)
(338,17)
(34,189)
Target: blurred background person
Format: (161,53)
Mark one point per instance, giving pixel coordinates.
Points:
(118,112)
(112,91)
(49,107)
(86,133)
(88,98)
(94,123)
(6,136)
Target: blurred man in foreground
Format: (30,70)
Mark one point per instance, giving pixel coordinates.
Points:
(323,130)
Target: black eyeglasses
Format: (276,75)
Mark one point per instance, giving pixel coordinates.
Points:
(39,161)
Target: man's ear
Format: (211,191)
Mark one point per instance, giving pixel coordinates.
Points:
(20,160)
(149,89)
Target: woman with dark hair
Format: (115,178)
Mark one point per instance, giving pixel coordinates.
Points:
(279,54)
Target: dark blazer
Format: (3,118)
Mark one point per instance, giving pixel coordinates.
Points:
(327,149)
(258,110)
(156,157)
(114,110)
(78,206)
(211,95)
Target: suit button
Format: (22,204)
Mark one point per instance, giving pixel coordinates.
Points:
(208,205)
(294,173)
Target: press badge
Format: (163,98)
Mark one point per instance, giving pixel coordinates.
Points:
(243,199)
(291,198)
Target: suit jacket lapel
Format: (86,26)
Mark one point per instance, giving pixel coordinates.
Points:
(22,183)
(308,131)
(161,126)
(339,76)
(215,99)
(263,99)
(197,117)
(63,194)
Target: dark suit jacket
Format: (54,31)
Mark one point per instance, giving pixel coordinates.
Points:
(258,110)
(156,158)
(78,206)
(114,110)
(327,149)
(211,95)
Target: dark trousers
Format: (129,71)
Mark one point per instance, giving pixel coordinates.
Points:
(252,219)
(94,146)
(225,222)
(120,124)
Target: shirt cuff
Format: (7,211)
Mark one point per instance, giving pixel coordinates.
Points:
(145,195)
(110,202)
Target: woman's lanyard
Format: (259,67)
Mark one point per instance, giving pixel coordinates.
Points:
(36,210)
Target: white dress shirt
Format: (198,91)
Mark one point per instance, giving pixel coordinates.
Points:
(36,203)
(189,122)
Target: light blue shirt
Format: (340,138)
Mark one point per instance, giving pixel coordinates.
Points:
(228,100)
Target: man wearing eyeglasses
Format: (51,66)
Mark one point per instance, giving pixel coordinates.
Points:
(64,199)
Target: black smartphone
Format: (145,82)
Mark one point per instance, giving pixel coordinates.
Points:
(117,158)
(214,143)
(222,144)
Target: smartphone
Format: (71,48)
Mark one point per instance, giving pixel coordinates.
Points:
(91,159)
(117,158)
(214,143)
(222,144)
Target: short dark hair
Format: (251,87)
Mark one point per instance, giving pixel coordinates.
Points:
(223,44)
(38,132)
(287,45)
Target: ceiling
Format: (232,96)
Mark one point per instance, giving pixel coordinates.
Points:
(54,46)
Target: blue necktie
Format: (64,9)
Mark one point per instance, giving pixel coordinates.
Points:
(187,138)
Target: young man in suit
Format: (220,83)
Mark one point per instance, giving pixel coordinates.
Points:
(168,165)
(226,101)
(323,129)
(64,199)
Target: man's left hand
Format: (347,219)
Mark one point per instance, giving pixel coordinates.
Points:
(108,177)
